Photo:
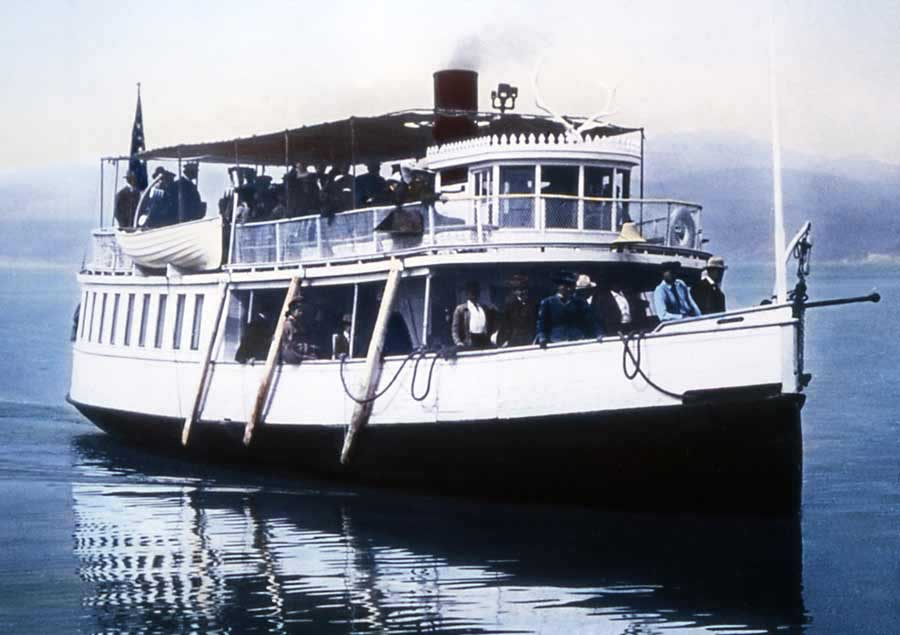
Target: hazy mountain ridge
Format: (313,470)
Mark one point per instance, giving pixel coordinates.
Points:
(854,204)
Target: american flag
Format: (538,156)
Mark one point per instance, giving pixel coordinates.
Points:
(137,166)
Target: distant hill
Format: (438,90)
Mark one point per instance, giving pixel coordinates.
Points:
(851,219)
(854,204)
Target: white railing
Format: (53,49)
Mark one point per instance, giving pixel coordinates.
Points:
(513,218)
(106,255)
(619,144)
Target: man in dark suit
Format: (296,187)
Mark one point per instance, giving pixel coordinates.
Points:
(517,321)
(340,341)
(707,293)
(190,207)
(127,200)
(620,309)
(563,317)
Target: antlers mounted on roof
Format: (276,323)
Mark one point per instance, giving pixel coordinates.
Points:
(573,133)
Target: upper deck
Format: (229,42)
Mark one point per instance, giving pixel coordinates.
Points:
(498,194)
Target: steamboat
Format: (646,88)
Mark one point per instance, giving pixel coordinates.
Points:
(698,413)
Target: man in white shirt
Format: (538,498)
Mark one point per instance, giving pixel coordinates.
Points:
(472,321)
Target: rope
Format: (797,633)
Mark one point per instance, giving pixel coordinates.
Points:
(419,355)
(412,385)
(381,392)
(636,362)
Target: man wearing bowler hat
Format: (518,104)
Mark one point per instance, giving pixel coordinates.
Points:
(517,322)
(563,317)
(707,293)
(672,298)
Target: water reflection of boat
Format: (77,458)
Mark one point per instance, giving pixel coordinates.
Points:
(167,544)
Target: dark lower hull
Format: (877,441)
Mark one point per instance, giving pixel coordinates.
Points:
(733,455)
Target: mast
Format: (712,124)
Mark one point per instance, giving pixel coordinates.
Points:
(777,198)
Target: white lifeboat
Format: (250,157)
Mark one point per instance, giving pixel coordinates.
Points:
(190,246)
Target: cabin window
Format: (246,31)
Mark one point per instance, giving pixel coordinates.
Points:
(179,320)
(82,318)
(516,209)
(598,183)
(145,316)
(559,187)
(129,317)
(454,176)
(114,320)
(91,326)
(160,320)
(198,322)
(404,324)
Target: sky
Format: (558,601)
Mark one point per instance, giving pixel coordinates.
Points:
(216,70)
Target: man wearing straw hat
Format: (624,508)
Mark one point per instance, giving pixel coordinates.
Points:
(707,293)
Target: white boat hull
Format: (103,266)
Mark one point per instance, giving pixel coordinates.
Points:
(192,246)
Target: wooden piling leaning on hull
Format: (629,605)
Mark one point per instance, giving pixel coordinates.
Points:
(204,372)
(374,361)
(262,395)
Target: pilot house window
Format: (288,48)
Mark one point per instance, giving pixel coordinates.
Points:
(516,206)
(559,187)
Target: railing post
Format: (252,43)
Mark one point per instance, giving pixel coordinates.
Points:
(431,217)
(231,239)
(374,225)
(668,240)
(319,235)
(478,226)
(580,221)
(613,214)
(278,251)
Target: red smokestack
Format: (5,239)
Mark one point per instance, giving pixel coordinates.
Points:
(455,89)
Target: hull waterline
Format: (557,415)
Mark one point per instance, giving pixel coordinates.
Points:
(732,455)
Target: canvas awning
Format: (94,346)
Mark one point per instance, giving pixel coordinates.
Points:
(395,135)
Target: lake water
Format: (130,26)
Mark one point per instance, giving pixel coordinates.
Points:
(97,537)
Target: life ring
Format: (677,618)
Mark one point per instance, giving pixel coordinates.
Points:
(682,229)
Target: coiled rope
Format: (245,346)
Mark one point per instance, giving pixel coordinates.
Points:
(627,354)
(418,355)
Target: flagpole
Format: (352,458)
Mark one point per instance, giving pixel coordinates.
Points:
(777,193)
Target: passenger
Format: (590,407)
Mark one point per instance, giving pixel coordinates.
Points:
(371,188)
(295,346)
(672,298)
(472,321)
(127,200)
(406,221)
(618,310)
(564,317)
(707,293)
(340,341)
(190,207)
(263,199)
(585,287)
(163,205)
(256,340)
(517,323)
(280,210)
(337,191)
